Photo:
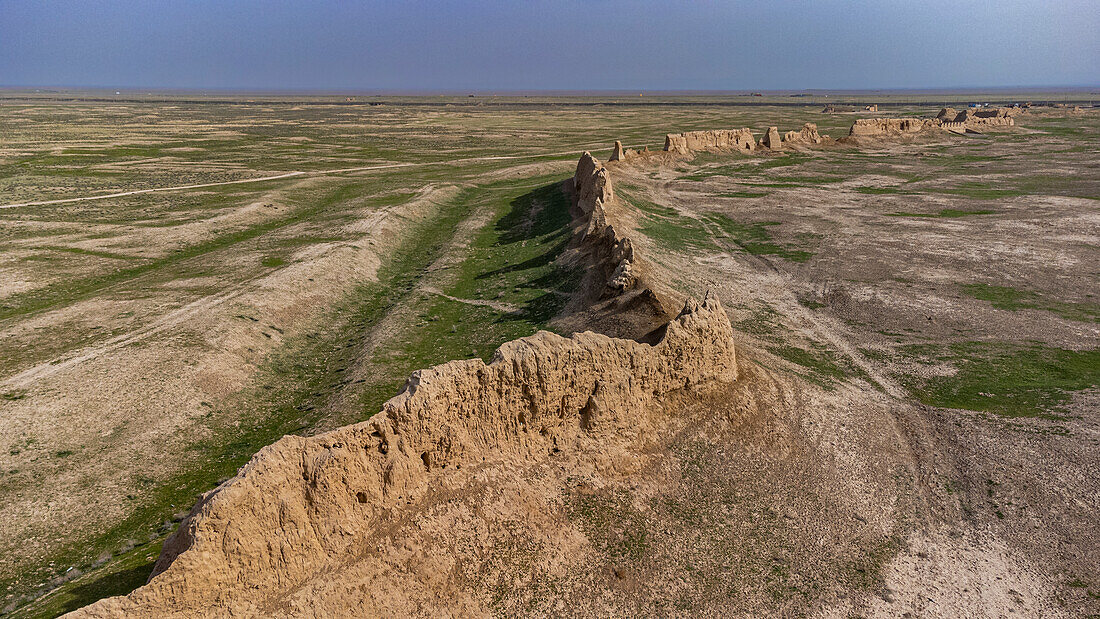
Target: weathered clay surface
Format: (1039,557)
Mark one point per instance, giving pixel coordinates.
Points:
(304,505)
(592,190)
(717,139)
(771,139)
(591,185)
(806,135)
(617,153)
(863,127)
(948,119)
(615,296)
(990,117)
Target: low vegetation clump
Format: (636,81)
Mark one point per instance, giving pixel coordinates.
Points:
(1013,299)
(754,238)
(825,366)
(1014,380)
(668,228)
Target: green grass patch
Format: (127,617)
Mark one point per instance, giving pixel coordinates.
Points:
(668,228)
(1002,297)
(122,575)
(826,367)
(754,238)
(786,160)
(771,185)
(810,303)
(980,191)
(764,322)
(729,171)
(1013,380)
(809,181)
(1012,299)
(510,264)
(89,252)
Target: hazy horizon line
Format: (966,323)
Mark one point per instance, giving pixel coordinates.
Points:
(547,91)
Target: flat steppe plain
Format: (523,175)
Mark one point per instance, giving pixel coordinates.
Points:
(944,287)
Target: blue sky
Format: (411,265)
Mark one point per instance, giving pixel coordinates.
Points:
(536,44)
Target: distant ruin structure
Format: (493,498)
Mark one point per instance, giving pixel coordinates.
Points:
(617,153)
(949,119)
(806,135)
(771,139)
(718,139)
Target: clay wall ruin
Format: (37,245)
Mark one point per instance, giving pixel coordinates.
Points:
(806,135)
(890,126)
(948,119)
(304,506)
(716,139)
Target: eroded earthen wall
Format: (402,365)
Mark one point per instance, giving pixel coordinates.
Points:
(302,506)
(717,139)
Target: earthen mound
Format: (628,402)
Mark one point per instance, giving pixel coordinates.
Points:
(304,506)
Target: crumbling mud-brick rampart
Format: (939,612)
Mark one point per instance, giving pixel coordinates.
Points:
(970,119)
(739,139)
(806,135)
(305,507)
(890,126)
(713,140)
(618,153)
(593,194)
